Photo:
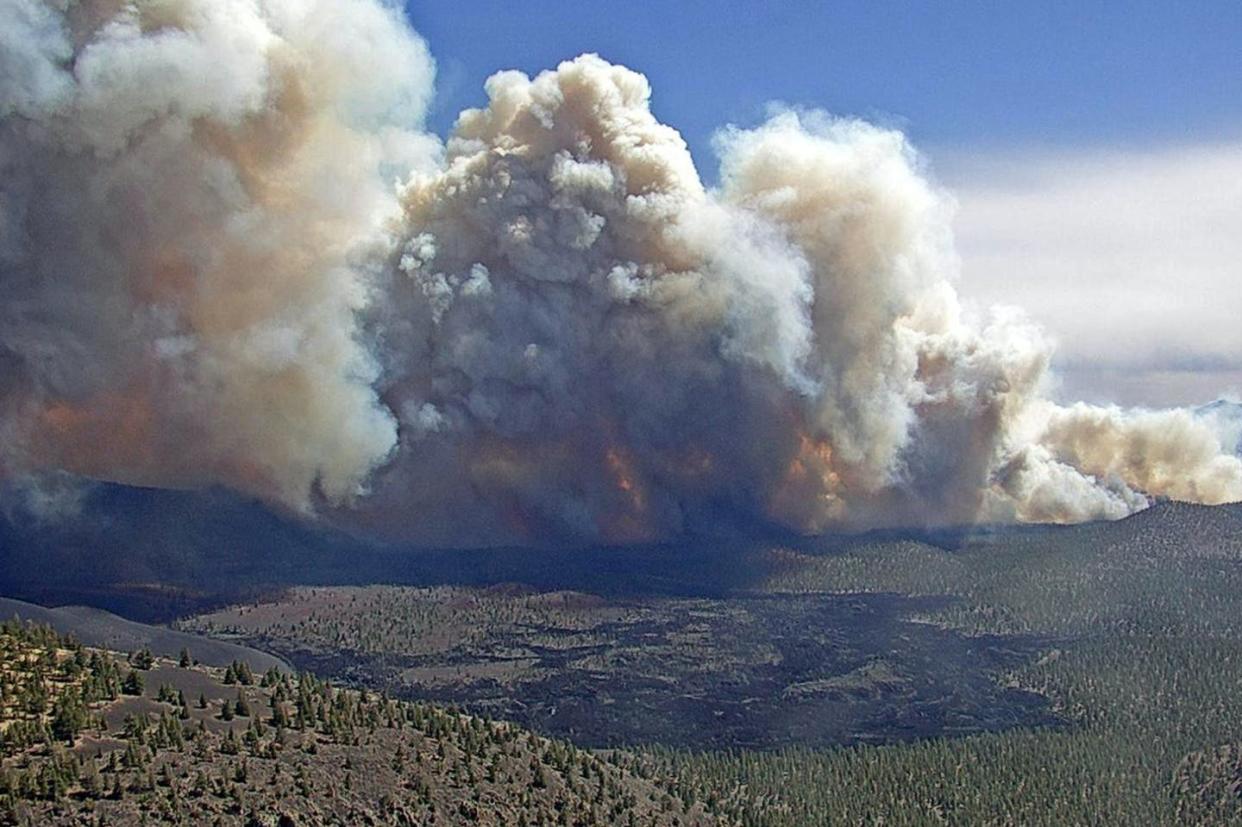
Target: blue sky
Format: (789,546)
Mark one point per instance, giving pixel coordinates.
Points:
(1095,149)
(951,73)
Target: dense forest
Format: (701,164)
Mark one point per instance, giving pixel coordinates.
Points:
(1143,664)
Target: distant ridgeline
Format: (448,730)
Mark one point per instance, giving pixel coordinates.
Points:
(153,554)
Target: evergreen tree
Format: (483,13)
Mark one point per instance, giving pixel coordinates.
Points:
(133,683)
(68,716)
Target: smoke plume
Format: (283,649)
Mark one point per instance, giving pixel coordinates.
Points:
(185,189)
(548,329)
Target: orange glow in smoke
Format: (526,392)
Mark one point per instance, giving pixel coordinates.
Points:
(506,471)
(696,463)
(809,494)
(631,525)
(622,471)
(820,449)
(63,417)
(112,430)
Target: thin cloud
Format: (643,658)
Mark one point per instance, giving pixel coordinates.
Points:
(1130,259)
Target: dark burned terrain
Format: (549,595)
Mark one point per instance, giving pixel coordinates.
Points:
(753,671)
(683,648)
(1045,675)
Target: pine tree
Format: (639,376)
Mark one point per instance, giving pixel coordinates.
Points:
(68,716)
(133,683)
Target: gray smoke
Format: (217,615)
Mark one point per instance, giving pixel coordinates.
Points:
(549,329)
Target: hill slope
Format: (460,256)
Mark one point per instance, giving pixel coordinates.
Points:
(104,630)
(87,738)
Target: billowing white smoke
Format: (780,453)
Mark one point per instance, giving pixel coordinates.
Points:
(182,186)
(562,334)
(581,339)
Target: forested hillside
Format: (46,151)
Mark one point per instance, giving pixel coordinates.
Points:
(89,736)
(1143,665)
